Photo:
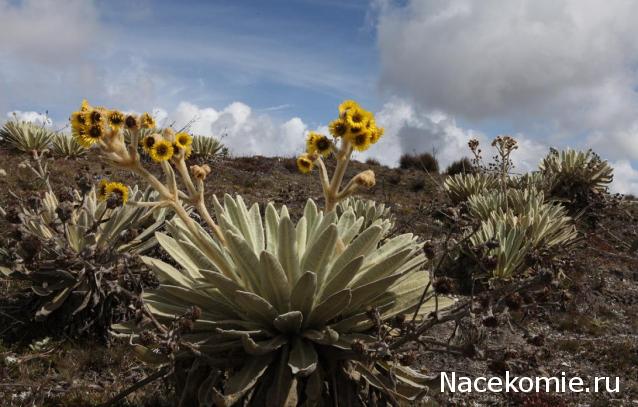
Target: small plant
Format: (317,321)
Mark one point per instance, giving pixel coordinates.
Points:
(66,146)
(206,147)
(373,162)
(424,162)
(26,136)
(462,166)
(369,212)
(461,186)
(576,175)
(74,250)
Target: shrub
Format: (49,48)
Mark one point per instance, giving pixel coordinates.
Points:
(25,136)
(373,162)
(425,162)
(70,253)
(66,146)
(206,147)
(460,187)
(520,222)
(575,174)
(462,166)
(293,299)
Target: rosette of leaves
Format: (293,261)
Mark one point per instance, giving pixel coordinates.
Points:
(26,136)
(206,147)
(521,223)
(575,174)
(287,310)
(63,145)
(76,255)
(460,187)
(370,211)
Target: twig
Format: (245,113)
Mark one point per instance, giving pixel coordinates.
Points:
(159,374)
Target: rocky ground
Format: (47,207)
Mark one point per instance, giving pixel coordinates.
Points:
(586,326)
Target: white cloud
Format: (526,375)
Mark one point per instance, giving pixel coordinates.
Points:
(40,119)
(625,178)
(243,131)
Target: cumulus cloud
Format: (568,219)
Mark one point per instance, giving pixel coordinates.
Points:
(243,131)
(412,130)
(558,71)
(40,119)
(625,178)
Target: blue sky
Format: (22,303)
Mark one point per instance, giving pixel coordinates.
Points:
(556,73)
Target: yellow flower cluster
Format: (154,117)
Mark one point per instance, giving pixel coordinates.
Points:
(114,191)
(92,124)
(355,127)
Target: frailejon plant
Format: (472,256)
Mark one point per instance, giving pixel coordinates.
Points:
(521,222)
(26,136)
(460,187)
(71,250)
(206,147)
(369,211)
(262,308)
(63,145)
(576,173)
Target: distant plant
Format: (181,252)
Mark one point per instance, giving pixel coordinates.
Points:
(26,136)
(424,162)
(66,146)
(206,147)
(574,175)
(461,186)
(373,162)
(462,166)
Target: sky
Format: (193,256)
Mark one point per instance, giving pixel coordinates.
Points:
(260,74)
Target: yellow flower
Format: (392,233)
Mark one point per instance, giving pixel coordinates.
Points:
(85,107)
(357,118)
(117,193)
(95,117)
(183,140)
(376,134)
(360,140)
(116,119)
(305,163)
(347,105)
(102,190)
(162,150)
(148,142)
(88,135)
(147,121)
(338,128)
(318,143)
(78,120)
(130,122)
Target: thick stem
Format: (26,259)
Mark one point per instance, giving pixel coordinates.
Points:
(343,159)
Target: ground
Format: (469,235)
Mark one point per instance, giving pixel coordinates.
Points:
(587,326)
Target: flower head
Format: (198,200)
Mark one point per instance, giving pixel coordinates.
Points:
(305,163)
(130,122)
(360,139)
(347,105)
(148,142)
(115,119)
(318,143)
(365,179)
(183,140)
(376,134)
(117,194)
(162,150)
(85,107)
(338,128)
(78,120)
(96,117)
(147,121)
(357,118)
